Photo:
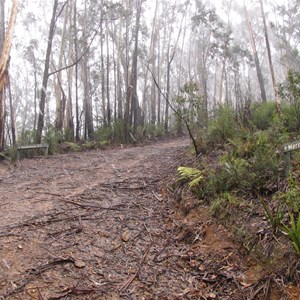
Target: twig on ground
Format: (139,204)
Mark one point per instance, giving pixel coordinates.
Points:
(128,282)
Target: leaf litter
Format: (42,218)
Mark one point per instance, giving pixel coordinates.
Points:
(102,225)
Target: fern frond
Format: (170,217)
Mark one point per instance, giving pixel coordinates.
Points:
(192,175)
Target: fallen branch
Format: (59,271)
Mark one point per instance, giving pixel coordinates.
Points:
(91,206)
(37,271)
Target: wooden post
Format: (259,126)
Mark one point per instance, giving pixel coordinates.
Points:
(288,148)
(287,158)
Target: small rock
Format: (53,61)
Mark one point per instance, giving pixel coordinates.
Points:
(20,247)
(79,264)
(212,296)
(116,245)
(126,236)
(103,234)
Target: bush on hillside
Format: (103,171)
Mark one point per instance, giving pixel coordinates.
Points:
(223,127)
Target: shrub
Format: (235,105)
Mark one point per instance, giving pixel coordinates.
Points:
(72,146)
(103,133)
(223,204)
(291,197)
(223,127)
(233,173)
(118,131)
(53,138)
(262,115)
(290,93)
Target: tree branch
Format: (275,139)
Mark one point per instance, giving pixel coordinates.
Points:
(78,60)
(176,112)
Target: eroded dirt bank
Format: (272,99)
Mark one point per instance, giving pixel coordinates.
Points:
(98,225)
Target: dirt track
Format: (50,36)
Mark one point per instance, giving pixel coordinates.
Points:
(98,225)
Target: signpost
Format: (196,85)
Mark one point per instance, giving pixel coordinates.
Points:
(287,149)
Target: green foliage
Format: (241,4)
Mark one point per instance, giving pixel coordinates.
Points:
(189,107)
(223,127)
(274,219)
(291,197)
(27,137)
(53,138)
(89,145)
(290,93)
(69,135)
(233,173)
(117,132)
(262,115)
(103,133)
(12,153)
(293,231)
(223,203)
(191,175)
(73,146)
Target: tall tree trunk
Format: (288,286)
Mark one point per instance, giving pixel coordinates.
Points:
(159,82)
(108,109)
(256,59)
(77,134)
(40,125)
(119,76)
(275,88)
(127,116)
(166,125)
(60,99)
(226,41)
(132,98)
(5,45)
(88,106)
(135,109)
(103,94)
(35,99)
(12,113)
(2,89)
(153,64)
(69,123)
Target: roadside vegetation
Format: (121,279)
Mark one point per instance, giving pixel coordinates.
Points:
(240,176)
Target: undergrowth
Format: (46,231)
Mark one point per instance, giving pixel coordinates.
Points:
(241,178)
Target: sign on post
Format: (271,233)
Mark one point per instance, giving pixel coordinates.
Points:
(288,148)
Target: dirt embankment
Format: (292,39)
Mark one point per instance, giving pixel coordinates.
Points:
(99,225)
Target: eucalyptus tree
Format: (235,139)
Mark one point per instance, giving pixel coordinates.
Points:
(5,46)
(40,124)
(285,27)
(275,87)
(132,114)
(206,28)
(255,55)
(69,129)
(60,94)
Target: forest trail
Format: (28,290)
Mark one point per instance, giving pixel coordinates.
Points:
(100,225)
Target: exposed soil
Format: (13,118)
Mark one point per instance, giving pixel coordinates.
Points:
(101,225)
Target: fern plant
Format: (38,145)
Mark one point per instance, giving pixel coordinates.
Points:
(192,175)
(293,232)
